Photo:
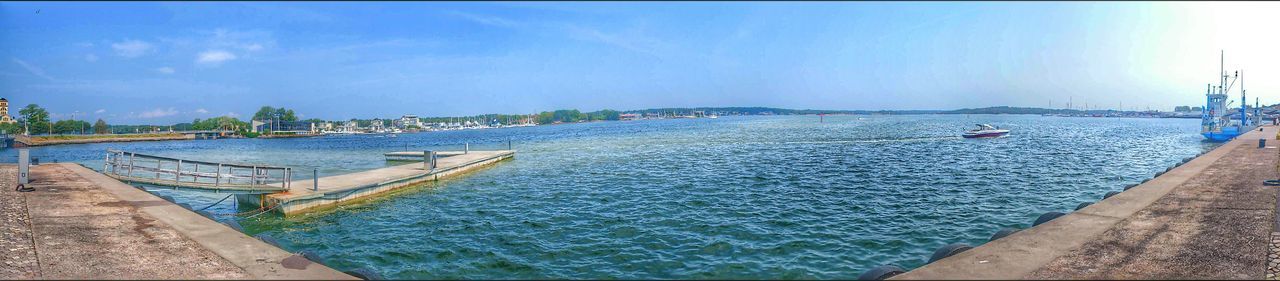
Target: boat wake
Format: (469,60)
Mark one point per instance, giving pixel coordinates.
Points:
(884,140)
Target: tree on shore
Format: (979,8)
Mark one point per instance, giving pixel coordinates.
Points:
(11,128)
(219,123)
(270,113)
(101,127)
(36,117)
(70,126)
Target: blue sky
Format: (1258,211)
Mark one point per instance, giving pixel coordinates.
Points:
(144,63)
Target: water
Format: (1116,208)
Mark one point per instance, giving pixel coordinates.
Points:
(734,197)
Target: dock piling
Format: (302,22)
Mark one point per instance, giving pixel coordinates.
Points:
(466,147)
(315,180)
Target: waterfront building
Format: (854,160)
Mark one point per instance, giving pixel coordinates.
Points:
(408,121)
(4,112)
(286,127)
(350,126)
(628,116)
(376,125)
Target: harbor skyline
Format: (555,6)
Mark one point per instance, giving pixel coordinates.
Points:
(174,62)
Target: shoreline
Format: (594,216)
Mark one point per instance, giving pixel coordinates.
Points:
(29,141)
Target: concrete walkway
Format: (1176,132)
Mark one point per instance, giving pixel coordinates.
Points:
(84,225)
(1208,219)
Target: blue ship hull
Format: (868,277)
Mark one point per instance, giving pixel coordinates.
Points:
(1220,136)
(1226,134)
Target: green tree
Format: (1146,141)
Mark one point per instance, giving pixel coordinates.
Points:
(267,113)
(101,127)
(264,113)
(70,126)
(11,128)
(36,118)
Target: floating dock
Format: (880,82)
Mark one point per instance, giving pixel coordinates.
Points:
(331,191)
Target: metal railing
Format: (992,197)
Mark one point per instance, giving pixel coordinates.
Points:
(195,174)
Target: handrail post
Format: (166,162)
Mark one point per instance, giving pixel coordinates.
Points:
(253,177)
(218,177)
(177,172)
(130,164)
(466,147)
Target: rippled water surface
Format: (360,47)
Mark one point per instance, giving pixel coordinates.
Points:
(734,197)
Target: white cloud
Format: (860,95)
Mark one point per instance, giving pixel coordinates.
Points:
(248,41)
(90,58)
(214,57)
(35,70)
(100,111)
(486,20)
(131,48)
(165,70)
(202,111)
(158,112)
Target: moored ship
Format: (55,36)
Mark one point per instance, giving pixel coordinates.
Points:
(1216,121)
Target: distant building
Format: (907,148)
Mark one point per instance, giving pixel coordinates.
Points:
(351,126)
(628,116)
(286,126)
(408,121)
(376,125)
(4,112)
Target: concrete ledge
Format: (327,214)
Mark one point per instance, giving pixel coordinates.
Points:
(258,259)
(1019,255)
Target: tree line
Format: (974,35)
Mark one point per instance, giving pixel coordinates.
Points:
(36,119)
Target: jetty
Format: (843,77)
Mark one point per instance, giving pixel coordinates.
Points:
(1210,218)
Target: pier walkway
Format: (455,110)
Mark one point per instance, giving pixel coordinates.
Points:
(333,190)
(79,224)
(1211,218)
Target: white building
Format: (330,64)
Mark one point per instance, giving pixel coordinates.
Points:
(408,121)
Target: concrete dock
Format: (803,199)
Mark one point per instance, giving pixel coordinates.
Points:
(1211,218)
(79,224)
(336,190)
